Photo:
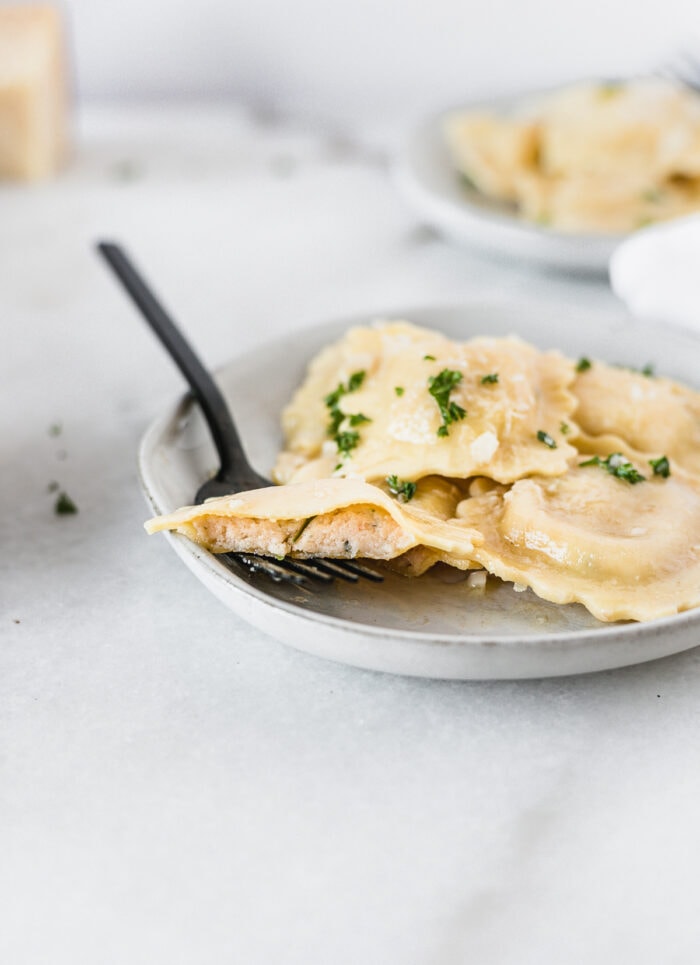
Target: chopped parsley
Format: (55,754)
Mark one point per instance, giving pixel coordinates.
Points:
(616,465)
(440,386)
(403,490)
(428,358)
(661,466)
(354,383)
(64,505)
(345,440)
(399,390)
(490,379)
(56,429)
(564,428)
(301,529)
(546,439)
(610,88)
(358,419)
(646,370)
(583,364)
(356,380)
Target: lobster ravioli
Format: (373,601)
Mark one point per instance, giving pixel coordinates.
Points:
(580,481)
(625,551)
(333,518)
(426,405)
(590,157)
(622,409)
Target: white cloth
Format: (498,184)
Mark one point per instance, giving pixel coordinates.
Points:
(656,272)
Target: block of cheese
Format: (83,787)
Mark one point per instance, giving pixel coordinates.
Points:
(33,92)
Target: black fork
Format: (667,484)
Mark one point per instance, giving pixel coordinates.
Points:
(235,472)
(684,68)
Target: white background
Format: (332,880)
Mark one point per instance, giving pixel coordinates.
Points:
(377,56)
(177,788)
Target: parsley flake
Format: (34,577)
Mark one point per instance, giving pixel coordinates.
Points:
(609,88)
(440,386)
(356,380)
(358,419)
(564,428)
(354,383)
(616,465)
(428,358)
(490,379)
(646,370)
(401,488)
(399,390)
(345,440)
(583,364)
(64,505)
(661,466)
(546,439)
(301,529)
(467,182)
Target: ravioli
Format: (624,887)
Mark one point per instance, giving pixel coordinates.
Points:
(333,518)
(596,204)
(516,402)
(615,130)
(407,446)
(493,152)
(622,409)
(606,157)
(626,552)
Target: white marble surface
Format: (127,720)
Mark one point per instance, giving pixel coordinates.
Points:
(178,788)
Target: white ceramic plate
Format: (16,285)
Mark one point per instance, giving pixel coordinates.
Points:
(424,627)
(426,176)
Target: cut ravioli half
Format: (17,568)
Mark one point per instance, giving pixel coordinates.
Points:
(626,552)
(332,518)
(515,401)
(623,409)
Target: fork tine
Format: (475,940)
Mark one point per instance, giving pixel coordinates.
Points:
(277,570)
(333,569)
(300,571)
(360,569)
(312,568)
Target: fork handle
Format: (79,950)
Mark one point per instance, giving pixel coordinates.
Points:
(205,390)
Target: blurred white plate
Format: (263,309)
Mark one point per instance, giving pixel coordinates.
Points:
(425,627)
(427,178)
(655,272)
